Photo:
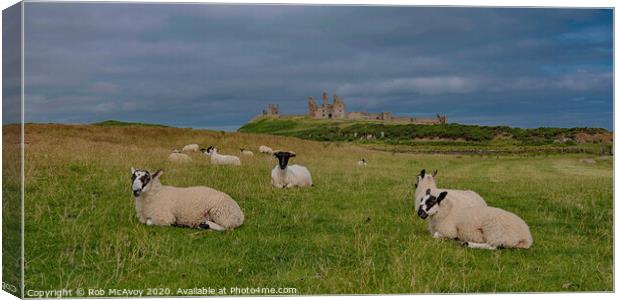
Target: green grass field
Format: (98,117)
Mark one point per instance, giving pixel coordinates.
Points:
(355,232)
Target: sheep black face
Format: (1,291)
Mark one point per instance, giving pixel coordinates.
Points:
(283,158)
(429,204)
(208,151)
(140,180)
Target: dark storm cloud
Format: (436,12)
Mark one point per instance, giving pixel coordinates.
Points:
(219,65)
(11,65)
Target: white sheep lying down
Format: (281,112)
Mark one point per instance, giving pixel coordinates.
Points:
(246,152)
(285,176)
(221,159)
(191,147)
(265,149)
(458,198)
(177,156)
(196,207)
(477,227)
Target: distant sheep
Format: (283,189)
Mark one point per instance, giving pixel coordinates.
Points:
(587,161)
(220,159)
(191,148)
(285,176)
(265,149)
(246,152)
(178,157)
(459,198)
(362,162)
(476,227)
(196,207)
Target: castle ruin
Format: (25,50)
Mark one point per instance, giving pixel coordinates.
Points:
(337,110)
(272,111)
(326,110)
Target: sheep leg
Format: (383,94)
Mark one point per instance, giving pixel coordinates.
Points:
(479,246)
(211,225)
(437,235)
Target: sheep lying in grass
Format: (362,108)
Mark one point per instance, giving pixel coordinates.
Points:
(459,198)
(477,227)
(220,159)
(587,161)
(246,152)
(191,148)
(362,162)
(285,176)
(264,149)
(178,157)
(196,207)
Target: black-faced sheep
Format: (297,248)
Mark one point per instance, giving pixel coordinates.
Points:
(285,176)
(246,152)
(458,198)
(220,159)
(197,206)
(476,227)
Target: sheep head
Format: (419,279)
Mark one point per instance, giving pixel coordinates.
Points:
(429,204)
(430,178)
(283,157)
(209,150)
(142,180)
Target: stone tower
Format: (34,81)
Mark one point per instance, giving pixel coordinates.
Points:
(272,110)
(338,108)
(325,98)
(313,109)
(335,110)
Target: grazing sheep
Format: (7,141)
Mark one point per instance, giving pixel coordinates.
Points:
(362,162)
(191,147)
(477,227)
(220,159)
(284,176)
(459,198)
(177,156)
(246,152)
(265,149)
(196,207)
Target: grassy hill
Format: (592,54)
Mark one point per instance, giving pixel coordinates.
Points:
(122,123)
(355,232)
(436,137)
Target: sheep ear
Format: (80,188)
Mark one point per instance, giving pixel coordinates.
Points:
(133,170)
(441,196)
(158,174)
(435,173)
(292,154)
(428,191)
(422,173)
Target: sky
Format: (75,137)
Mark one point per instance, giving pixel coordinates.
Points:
(217,66)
